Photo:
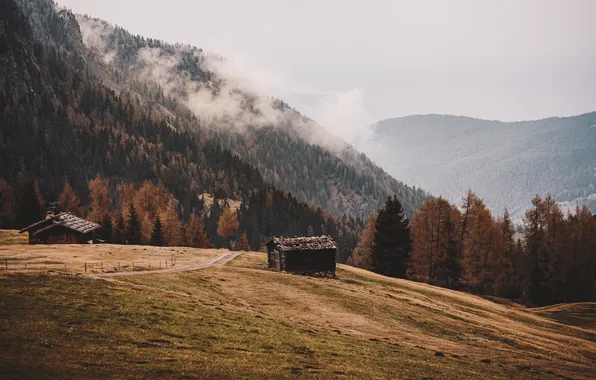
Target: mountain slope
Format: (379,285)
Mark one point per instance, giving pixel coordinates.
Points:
(505,163)
(199,90)
(214,323)
(59,123)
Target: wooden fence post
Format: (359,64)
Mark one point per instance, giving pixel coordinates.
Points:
(133,265)
(85,267)
(6,263)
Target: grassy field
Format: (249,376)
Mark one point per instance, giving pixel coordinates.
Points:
(9,237)
(243,321)
(102,258)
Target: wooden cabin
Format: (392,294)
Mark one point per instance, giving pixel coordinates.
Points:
(307,255)
(62,228)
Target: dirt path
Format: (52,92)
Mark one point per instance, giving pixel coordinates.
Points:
(217,261)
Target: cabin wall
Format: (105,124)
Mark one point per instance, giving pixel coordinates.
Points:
(309,261)
(56,235)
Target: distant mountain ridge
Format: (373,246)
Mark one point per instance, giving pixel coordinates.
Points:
(506,163)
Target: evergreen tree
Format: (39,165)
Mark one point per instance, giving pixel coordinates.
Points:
(392,243)
(28,207)
(538,285)
(157,234)
(7,205)
(119,230)
(133,228)
(106,229)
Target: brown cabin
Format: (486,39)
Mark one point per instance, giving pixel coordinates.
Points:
(62,228)
(307,255)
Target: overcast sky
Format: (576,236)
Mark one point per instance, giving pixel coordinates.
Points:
(357,62)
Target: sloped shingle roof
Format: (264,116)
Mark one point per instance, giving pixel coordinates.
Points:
(303,243)
(67,220)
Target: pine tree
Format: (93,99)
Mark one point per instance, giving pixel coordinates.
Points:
(107,229)
(157,234)
(392,244)
(7,204)
(133,228)
(28,207)
(119,230)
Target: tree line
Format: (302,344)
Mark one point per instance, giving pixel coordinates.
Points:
(150,214)
(466,248)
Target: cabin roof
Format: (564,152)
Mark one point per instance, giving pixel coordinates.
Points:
(65,219)
(302,243)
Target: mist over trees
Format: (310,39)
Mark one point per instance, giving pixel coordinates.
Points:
(60,125)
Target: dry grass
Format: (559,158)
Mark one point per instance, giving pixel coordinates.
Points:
(9,237)
(243,321)
(575,314)
(110,257)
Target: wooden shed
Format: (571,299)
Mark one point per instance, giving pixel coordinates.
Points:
(62,228)
(308,255)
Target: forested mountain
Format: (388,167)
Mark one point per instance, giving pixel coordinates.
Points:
(199,92)
(505,163)
(60,125)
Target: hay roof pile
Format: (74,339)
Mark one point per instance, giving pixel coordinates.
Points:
(303,243)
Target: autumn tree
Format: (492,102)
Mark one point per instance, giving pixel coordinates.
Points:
(172,226)
(69,202)
(152,200)
(392,244)
(435,251)
(227,223)
(477,239)
(361,256)
(242,243)
(196,235)
(7,204)
(99,198)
